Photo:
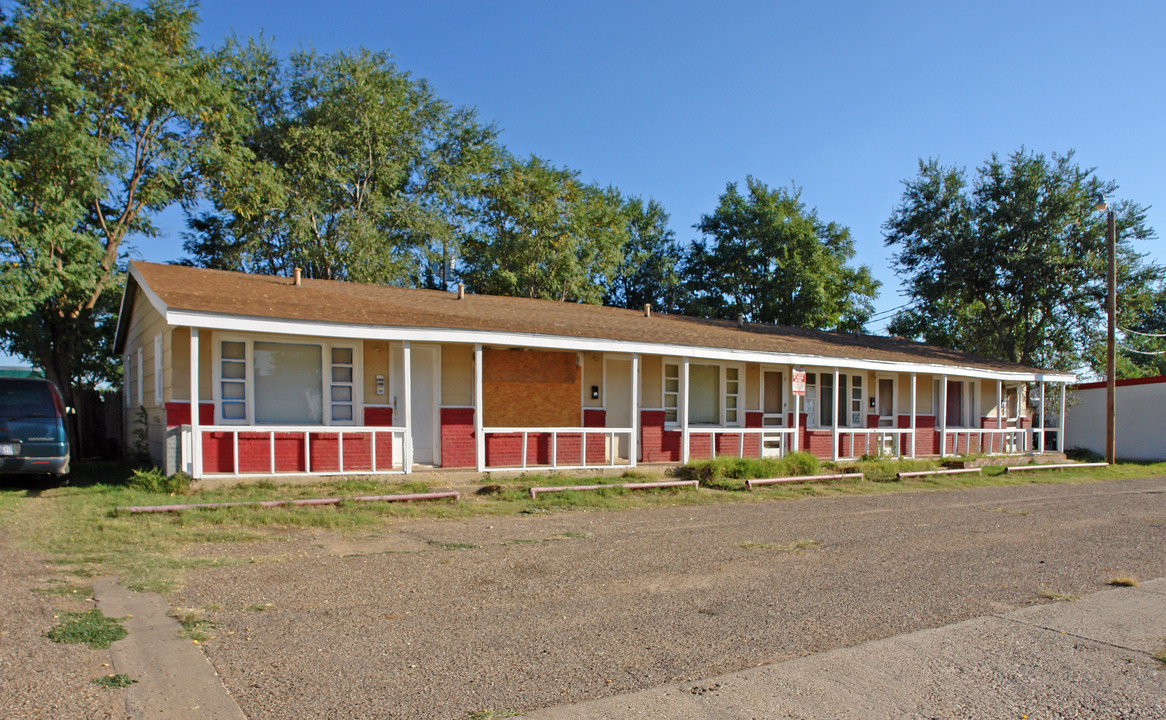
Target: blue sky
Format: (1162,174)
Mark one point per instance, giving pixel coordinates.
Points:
(671,100)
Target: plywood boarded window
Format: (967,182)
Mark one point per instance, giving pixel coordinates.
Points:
(530,389)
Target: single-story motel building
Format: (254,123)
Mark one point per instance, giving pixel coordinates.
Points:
(296,377)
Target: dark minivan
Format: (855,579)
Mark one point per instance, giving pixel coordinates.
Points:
(32,428)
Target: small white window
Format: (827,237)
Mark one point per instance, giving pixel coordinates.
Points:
(233,382)
(671,393)
(343,383)
(732,395)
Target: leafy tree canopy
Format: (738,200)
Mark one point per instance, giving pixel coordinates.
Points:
(1012,265)
(650,270)
(770,259)
(361,172)
(542,233)
(108,113)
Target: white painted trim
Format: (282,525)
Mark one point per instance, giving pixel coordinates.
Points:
(637,388)
(479,435)
(943,416)
(151,296)
(836,408)
(141,376)
(682,411)
(217,321)
(914,409)
(407,393)
(158,385)
(195,407)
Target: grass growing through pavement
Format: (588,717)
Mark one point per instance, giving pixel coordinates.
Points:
(194,624)
(1050,594)
(1160,653)
(90,627)
(1123,580)
(80,530)
(114,682)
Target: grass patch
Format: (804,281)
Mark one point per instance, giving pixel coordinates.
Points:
(114,682)
(194,624)
(887,470)
(1050,594)
(791,547)
(1123,580)
(65,590)
(492,714)
(259,608)
(90,627)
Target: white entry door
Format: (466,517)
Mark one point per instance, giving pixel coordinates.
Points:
(425,370)
(617,398)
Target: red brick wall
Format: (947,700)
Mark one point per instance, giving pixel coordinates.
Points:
(656,443)
(596,443)
(378,416)
(457,438)
(178,413)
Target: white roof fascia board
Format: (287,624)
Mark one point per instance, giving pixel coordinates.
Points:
(216,321)
(150,294)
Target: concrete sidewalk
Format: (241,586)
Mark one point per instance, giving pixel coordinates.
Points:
(1091,658)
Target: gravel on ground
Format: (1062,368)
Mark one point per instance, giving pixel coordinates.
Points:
(40,678)
(444,619)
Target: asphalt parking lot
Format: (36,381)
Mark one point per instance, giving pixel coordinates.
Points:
(442,619)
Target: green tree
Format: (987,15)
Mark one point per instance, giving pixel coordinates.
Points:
(362,172)
(649,272)
(769,259)
(1013,266)
(544,234)
(1142,347)
(108,113)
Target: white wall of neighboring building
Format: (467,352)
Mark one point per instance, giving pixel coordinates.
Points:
(1141,419)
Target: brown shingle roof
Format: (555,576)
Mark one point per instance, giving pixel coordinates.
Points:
(327,301)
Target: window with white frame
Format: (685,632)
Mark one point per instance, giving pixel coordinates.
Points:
(714,394)
(343,382)
(822,401)
(277,382)
(671,393)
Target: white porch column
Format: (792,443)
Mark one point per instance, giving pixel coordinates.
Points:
(195,428)
(837,409)
(797,411)
(1061,426)
(913,404)
(479,437)
(1041,438)
(407,464)
(943,416)
(637,385)
(999,415)
(684,412)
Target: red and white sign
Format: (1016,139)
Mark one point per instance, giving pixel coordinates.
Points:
(798,381)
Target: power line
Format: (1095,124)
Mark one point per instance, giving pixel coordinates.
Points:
(1141,352)
(1143,334)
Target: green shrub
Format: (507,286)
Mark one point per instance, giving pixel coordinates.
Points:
(153,480)
(716,473)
